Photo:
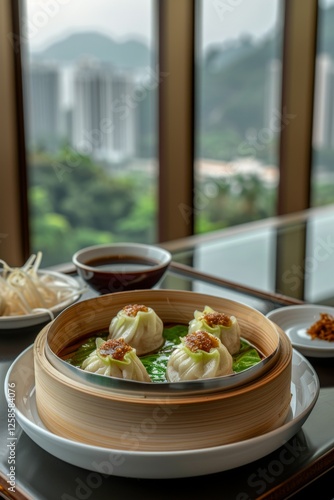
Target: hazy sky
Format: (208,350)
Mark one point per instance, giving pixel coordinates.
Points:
(47,20)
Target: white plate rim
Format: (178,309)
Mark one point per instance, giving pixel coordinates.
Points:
(306,348)
(27,320)
(164,464)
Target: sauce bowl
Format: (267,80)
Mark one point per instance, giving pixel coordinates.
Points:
(121,267)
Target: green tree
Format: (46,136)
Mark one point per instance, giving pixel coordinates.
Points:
(75,203)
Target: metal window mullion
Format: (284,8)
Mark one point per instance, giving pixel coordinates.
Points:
(176,117)
(299,52)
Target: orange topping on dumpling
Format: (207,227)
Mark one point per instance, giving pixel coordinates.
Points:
(200,341)
(116,348)
(133,309)
(216,318)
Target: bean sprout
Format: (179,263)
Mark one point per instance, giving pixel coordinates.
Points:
(26,290)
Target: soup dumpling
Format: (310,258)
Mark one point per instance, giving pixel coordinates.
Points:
(199,356)
(220,324)
(139,326)
(115,358)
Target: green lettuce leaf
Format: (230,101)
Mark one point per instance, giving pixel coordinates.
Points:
(156,363)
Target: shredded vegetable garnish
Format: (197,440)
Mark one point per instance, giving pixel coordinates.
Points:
(25,290)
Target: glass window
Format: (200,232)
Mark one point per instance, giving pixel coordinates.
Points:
(322,181)
(90,92)
(238,111)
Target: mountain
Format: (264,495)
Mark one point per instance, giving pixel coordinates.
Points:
(131,53)
(218,57)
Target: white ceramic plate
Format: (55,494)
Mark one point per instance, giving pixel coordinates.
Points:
(27,320)
(295,320)
(131,463)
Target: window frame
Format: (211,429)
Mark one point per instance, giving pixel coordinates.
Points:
(297,103)
(14,218)
(176,23)
(176,118)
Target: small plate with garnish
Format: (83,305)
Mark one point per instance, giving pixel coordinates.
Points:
(31,296)
(310,328)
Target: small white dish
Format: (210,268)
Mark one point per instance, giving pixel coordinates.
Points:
(305,389)
(296,320)
(38,318)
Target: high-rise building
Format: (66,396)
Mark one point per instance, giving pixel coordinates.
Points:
(104,112)
(43,106)
(86,109)
(323,123)
(323,103)
(272,103)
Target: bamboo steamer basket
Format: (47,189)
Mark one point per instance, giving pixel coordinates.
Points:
(172,307)
(128,420)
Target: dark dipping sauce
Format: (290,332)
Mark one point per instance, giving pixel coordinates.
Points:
(122,263)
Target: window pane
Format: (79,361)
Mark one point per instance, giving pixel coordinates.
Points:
(322,183)
(90,83)
(238,111)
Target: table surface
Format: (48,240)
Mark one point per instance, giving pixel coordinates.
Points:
(217,264)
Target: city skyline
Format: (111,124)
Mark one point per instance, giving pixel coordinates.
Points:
(100,116)
(99,122)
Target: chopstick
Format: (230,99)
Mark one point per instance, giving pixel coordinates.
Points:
(209,278)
